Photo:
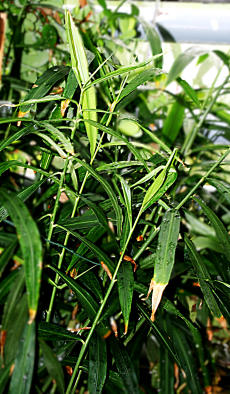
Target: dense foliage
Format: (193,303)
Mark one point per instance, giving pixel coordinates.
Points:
(113,187)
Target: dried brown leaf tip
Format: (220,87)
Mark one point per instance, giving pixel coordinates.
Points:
(107,334)
(73,273)
(69,370)
(113,325)
(21,115)
(64,106)
(157,290)
(32,315)
(2,342)
(140,238)
(128,258)
(106,269)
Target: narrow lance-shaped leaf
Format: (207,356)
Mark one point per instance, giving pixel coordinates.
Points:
(221,232)
(189,90)
(53,366)
(203,276)
(80,68)
(43,84)
(97,364)
(87,301)
(154,41)
(127,198)
(222,188)
(108,190)
(173,121)
(30,244)
(158,182)
(182,61)
(165,256)
(125,282)
(125,367)
(23,369)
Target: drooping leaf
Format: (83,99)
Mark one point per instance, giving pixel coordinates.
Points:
(97,364)
(144,76)
(24,363)
(154,41)
(30,243)
(54,332)
(85,298)
(160,334)
(173,121)
(165,256)
(189,91)
(125,282)
(108,190)
(44,83)
(222,187)
(221,232)
(53,366)
(182,61)
(127,198)
(188,363)
(203,277)
(95,249)
(125,367)
(80,68)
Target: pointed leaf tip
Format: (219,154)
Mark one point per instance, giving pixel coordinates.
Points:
(158,289)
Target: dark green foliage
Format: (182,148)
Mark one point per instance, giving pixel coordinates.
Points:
(105,189)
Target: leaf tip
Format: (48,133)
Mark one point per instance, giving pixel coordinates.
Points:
(32,315)
(158,289)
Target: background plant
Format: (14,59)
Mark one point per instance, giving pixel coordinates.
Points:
(104,175)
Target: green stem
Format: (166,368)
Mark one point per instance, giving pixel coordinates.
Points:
(203,179)
(83,349)
(51,226)
(192,135)
(48,316)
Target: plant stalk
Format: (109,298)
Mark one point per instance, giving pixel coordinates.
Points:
(203,179)
(83,349)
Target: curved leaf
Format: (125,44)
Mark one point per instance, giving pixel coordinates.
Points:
(97,364)
(30,243)
(24,363)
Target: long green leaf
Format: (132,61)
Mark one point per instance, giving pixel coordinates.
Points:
(173,121)
(30,243)
(167,242)
(222,187)
(87,301)
(125,282)
(183,348)
(189,91)
(160,334)
(44,83)
(154,41)
(127,198)
(24,363)
(80,68)
(125,367)
(54,332)
(221,232)
(203,277)
(97,364)
(182,61)
(144,76)
(108,190)
(102,256)
(53,366)
(153,189)
(165,256)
